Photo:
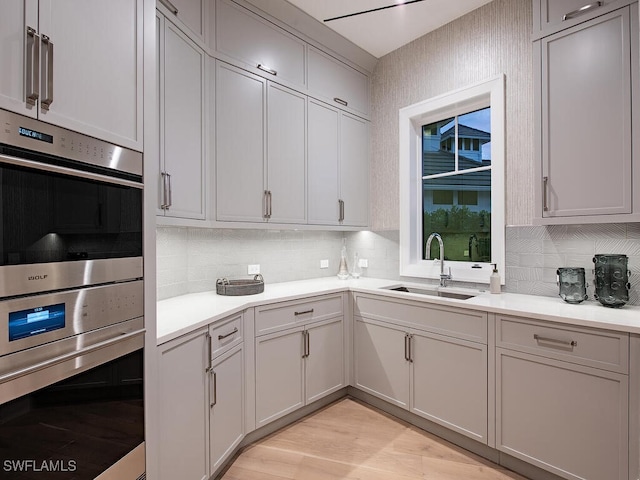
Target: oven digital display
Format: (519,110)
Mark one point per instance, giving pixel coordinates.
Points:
(43,137)
(27,323)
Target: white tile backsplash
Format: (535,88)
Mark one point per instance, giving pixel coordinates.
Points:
(191,259)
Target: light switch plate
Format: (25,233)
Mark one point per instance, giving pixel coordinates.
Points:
(324,263)
(253,269)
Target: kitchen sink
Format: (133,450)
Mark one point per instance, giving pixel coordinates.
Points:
(431,292)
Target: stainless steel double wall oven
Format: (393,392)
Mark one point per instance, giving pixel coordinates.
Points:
(71,305)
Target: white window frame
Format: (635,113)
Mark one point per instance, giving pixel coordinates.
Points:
(412,118)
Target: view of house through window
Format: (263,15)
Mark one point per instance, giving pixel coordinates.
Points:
(456,186)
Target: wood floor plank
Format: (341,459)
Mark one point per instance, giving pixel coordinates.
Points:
(349,440)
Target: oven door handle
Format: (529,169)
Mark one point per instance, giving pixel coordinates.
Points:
(67,356)
(21,162)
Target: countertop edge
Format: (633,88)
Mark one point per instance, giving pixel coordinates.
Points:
(197,310)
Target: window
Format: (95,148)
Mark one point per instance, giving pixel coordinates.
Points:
(452,183)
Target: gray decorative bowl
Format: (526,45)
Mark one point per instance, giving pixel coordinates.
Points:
(228,287)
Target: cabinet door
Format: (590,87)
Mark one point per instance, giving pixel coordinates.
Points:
(279,374)
(449,380)
(286,155)
(240,146)
(96,85)
(381,361)
(324,364)
(553,15)
(182,111)
(226,400)
(183,408)
(586,118)
(260,45)
(337,83)
(565,418)
(191,13)
(354,170)
(16,55)
(323,152)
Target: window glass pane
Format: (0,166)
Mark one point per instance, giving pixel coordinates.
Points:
(465,225)
(437,154)
(474,134)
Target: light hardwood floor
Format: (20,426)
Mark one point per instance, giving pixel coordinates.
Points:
(351,440)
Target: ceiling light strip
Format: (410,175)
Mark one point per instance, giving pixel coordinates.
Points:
(372,10)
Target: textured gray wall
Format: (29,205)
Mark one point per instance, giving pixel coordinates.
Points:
(487,42)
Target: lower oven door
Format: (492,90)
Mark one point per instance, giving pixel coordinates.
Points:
(79,415)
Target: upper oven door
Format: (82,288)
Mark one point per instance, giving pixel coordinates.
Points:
(66,223)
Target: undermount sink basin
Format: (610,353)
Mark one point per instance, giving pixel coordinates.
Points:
(431,292)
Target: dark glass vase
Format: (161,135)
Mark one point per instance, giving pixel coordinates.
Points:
(573,288)
(611,280)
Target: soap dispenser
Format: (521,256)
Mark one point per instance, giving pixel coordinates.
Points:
(494,280)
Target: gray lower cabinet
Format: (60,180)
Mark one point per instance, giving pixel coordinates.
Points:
(556,412)
(183,399)
(300,364)
(442,378)
(449,379)
(226,405)
(201,400)
(585,103)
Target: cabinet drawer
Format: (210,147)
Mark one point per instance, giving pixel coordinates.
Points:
(284,315)
(225,334)
(596,348)
(464,324)
(246,37)
(337,83)
(551,16)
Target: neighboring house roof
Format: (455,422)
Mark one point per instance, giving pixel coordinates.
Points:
(466,132)
(441,161)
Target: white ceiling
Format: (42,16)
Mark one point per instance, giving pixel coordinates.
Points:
(386,30)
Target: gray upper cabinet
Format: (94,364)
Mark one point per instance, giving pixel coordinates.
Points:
(240,152)
(551,16)
(190,13)
(182,160)
(260,46)
(260,145)
(338,158)
(584,116)
(337,83)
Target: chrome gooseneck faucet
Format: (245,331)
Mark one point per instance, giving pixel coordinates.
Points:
(443,276)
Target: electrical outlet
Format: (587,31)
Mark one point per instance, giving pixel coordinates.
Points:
(253,269)
(465,253)
(363,263)
(324,263)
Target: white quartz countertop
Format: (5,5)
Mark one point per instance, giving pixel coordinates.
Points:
(180,315)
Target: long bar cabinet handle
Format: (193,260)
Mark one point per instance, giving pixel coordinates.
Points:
(545,188)
(32,65)
(580,11)
(209,349)
(567,343)
(406,347)
(47,73)
(341,101)
(341,210)
(308,343)
(232,332)
(270,198)
(170,6)
(268,70)
(303,312)
(215,389)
